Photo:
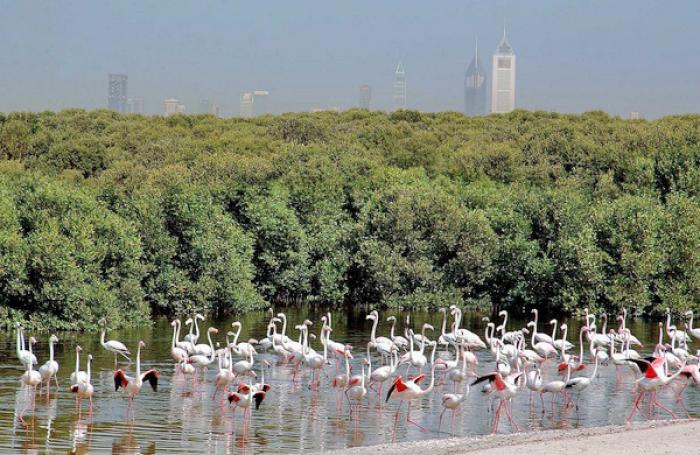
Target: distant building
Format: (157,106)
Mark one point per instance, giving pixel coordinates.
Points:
(134,105)
(503,78)
(635,116)
(117,92)
(171,106)
(475,87)
(261,102)
(399,94)
(365,96)
(209,107)
(181,109)
(246,107)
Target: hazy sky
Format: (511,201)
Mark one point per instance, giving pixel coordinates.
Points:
(572,56)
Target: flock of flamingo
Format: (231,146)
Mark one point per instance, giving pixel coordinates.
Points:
(400,362)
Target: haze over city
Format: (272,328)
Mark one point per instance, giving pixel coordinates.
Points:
(621,57)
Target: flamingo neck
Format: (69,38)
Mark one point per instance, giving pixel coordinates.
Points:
(174,336)
(444,322)
(51,350)
(77,363)
(211,345)
(595,368)
(554,331)
(138,363)
(196,327)
(374,329)
(88,369)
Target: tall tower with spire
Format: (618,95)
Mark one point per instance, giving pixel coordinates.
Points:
(399,87)
(503,77)
(475,86)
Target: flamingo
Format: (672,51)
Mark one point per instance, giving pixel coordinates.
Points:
(654,379)
(382,344)
(452,401)
(77,376)
(314,360)
(695,332)
(84,389)
(543,348)
(382,374)
(504,390)
(184,345)
(50,368)
(399,341)
(243,348)
(178,354)
(244,397)
(357,393)
(117,347)
(25,357)
(202,361)
(30,378)
(225,375)
(471,339)
(407,391)
(193,336)
(672,333)
(133,385)
(537,335)
(283,355)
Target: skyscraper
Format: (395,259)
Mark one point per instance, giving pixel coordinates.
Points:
(171,106)
(503,78)
(399,87)
(246,108)
(116,98)
(134,105)
(261,104)
(475,86)
(365,96)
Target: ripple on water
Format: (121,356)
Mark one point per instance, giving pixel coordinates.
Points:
(292,419)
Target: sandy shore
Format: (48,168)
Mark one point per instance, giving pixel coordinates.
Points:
(658,437)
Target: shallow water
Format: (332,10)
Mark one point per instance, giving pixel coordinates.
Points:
(292,418)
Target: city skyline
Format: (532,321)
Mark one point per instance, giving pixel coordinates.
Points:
(320,61)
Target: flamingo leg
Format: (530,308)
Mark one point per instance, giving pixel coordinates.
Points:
(496,417)
(510,419)
(635,408)
(440,421)
(658,404)
(408,419)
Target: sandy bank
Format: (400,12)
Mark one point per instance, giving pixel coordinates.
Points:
(658,437)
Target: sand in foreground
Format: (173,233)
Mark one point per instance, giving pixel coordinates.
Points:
(662,437)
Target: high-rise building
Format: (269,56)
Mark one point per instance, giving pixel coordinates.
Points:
(209,107)
(365,96)
(475,86)
(635,115)
(117,93)
(399,88)
(134,105)
(261,104)
(172,106)
(246,108)
(503,78)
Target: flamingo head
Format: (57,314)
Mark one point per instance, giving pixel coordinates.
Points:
(53,339)
(199,316)
(533,311)
(391,319)
(443,310)
(89,357)
(102,321)
(281,315)
(276,320)
(238,323)
(563,327)
(142,344)
(189,321)
(32,340)
(369,317)
(503,313)
(688,313)
(531,324)
(619,318)
(307,322)
(173,324)
(270,311)
(485,319)
(213,330)
(78,348)
(428,326)
(552,322)
(525,331)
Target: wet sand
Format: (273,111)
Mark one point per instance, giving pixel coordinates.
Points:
(656,437)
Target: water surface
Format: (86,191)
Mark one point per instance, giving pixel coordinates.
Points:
(292,418)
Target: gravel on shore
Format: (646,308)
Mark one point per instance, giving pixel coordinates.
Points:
(655,437)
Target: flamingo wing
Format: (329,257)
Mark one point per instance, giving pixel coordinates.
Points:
(117,346)
(243,388)
(233,397)
(152,377)
(120,380)
(258,397)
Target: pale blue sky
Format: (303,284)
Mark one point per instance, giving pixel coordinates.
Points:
(619,56)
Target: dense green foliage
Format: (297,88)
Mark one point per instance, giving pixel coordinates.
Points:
(129,216)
